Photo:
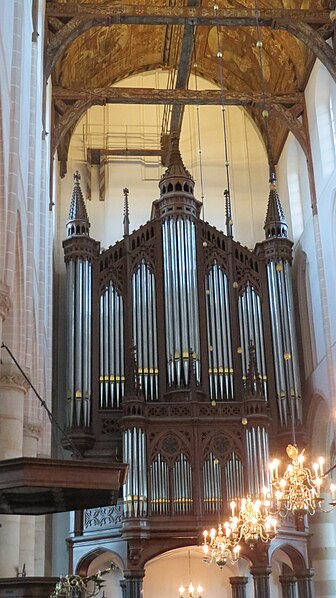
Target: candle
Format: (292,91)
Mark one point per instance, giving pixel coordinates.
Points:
(232,505)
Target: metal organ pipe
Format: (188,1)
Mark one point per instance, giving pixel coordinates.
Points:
(145,330)
(212,484)
(135,488)
(181,301)
(251,329)
(79,343)
(219,335)
(257,459)
(234,478)
(284,341)
(111,349)
(182,485)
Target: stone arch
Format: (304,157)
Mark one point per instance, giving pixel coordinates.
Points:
(97,557)
(102,559)
(320,426)
(288,555)
(174,568)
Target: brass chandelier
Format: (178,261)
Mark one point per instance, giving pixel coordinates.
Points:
(299,488)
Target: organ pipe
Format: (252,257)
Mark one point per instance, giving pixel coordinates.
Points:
(160,502)
(212,484)
(145,330)
(234,477)
(284,342)
(251,329)
(135,488)
(112,375)
(79,281)
(181,300)
(182,485)
(219,336)
(257,459)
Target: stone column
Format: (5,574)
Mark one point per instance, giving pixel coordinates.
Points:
(31,434)
(323,551)
(5,305)
(305,583)
(238,586)
(13,389)
(288,586)
(261,581)
(131,586)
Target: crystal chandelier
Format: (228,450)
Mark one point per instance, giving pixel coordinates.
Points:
(218,546)
(299,489)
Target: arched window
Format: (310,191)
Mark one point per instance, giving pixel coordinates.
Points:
(325,121)
(294,189)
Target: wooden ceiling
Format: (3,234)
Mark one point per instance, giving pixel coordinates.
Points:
(92,45)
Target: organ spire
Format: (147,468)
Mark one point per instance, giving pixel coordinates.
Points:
(275,221)
(78,220)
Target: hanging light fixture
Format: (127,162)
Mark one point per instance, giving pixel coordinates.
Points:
(218,546)
(299,488)
(254,520)
(191,591)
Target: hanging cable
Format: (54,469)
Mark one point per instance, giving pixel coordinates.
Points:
(51,417)
(199,129)
(227,192)
(265,111)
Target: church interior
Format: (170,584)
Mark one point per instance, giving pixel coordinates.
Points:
(167,291)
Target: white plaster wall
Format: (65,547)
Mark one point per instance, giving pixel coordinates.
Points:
(117,126)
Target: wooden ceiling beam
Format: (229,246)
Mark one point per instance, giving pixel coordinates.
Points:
(83,17)
(147,95)
(181,15)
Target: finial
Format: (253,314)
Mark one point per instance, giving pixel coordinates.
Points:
(275,221)
(126,221)
(228,216)
(253,383)
(78,220)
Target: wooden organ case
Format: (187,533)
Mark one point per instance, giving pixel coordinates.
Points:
(182,362)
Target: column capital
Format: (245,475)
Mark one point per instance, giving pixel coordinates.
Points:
(10,377)
(5,301)
(238,586)
(238,581)
(32,429)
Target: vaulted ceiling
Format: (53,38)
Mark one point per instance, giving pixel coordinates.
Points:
(91,46)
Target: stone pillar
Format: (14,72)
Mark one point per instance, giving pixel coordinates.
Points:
(261,581)
(13,389)
(238,586)
(5,305)
(288,586)
(305,583)
(31,434)
(131,586)
(323,551)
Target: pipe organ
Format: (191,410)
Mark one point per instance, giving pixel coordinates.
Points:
(182,356)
